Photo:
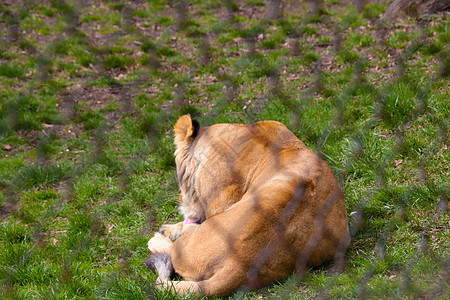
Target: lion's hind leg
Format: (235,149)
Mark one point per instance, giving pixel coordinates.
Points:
(222,283)
(179,287)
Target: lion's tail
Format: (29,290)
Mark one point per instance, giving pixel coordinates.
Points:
(160,261)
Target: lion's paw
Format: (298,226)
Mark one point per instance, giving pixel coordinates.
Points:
(159,243)
(172,231)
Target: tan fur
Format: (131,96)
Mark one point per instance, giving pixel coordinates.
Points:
(269,205)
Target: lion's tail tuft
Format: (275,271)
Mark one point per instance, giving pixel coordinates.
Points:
(160,262)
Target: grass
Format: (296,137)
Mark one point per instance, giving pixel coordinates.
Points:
(89,96)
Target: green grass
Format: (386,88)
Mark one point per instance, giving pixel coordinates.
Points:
(87,106)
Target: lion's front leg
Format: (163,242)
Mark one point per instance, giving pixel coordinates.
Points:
(172,231)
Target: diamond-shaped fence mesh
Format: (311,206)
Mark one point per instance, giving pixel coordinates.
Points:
(90,91)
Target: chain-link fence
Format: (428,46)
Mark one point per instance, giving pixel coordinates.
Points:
(90,91)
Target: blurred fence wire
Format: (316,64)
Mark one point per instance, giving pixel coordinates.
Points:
(103,52)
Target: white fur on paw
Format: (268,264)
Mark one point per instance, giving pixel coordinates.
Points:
(153,241)
(159,243)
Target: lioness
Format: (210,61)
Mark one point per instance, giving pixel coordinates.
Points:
(257,204)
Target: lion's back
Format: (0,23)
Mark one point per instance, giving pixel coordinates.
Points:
(270,136)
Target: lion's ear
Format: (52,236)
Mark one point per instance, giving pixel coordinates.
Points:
(185,128)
